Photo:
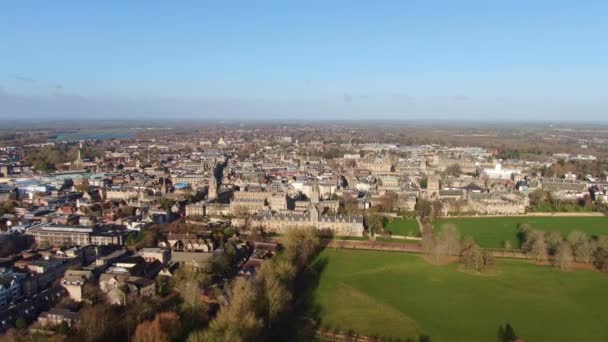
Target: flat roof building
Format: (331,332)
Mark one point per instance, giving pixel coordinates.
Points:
(63,235)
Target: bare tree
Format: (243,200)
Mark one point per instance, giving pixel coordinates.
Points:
(583,252)
(188,282)
(475,258)
(437,207)
(453,170)
(349,206)
(554,239)
(284,270)
(602,242)
(538,250)
(165,327)
(301,244)
(275,296)
(373,223)
(424,209)
(197,336)
(237,320)
(563,256)
(472,258)
(449,239)
(577,237)
(582,247)
(428,241)
(96,323)
(530,237)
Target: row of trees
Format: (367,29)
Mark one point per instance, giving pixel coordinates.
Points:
(258,308)
(538,245)
(543,201)
(577,246)
(579,167)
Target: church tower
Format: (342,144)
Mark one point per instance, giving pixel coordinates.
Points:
(433,186)
(78,164)
(212,191)
(163,186)
(314,193)
(314,214)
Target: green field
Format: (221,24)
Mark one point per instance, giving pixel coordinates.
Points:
(493,231)
(403,227)
(394,240)
(351,238)
(401,295)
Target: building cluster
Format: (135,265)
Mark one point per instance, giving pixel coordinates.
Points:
(79,224)
(265,179)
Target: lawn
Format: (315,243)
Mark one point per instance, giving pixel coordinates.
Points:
(401,295)
(394,240)
(403,227)
(493,231)
(351,238)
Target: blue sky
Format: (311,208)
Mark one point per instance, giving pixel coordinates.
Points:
(544,60)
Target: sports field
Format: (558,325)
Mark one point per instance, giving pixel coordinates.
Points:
(403,227)
(493,231)
(401,295)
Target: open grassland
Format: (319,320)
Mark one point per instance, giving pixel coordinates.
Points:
(403,227)
(492,232)
(401,295)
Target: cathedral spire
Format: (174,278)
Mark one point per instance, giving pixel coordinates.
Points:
(78,164)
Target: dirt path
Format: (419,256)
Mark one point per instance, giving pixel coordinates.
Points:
(419,224)
(417,249)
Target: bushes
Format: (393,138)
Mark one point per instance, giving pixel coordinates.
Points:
(20,323)
(164,328)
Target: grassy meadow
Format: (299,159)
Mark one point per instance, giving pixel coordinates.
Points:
(492,232)
(403,226)
(401,295)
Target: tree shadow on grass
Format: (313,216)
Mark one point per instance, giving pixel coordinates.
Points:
(305,319)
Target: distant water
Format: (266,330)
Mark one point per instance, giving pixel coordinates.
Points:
(94,136)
